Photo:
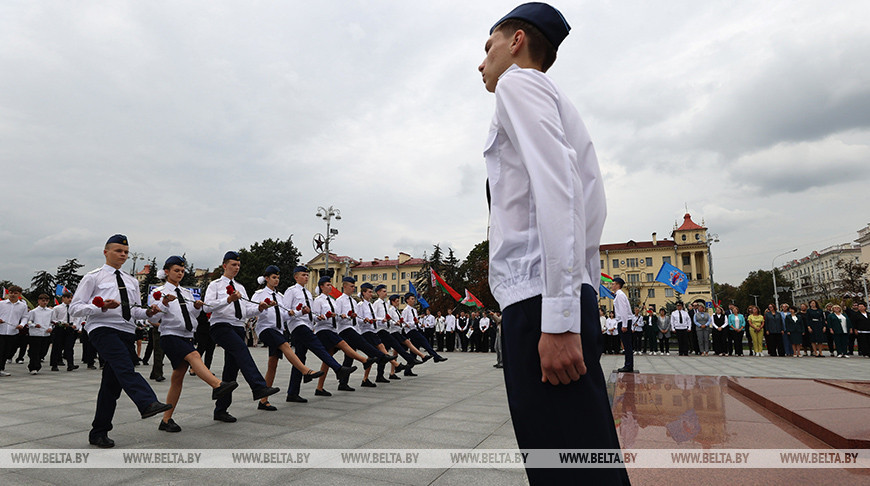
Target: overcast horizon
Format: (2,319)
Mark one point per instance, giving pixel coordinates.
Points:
(199,127)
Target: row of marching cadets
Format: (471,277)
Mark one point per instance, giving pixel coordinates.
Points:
(363,330)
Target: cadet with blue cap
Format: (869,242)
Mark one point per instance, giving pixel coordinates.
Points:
(230,306)
(409,315)
(109,300)
(385,324)
(367,328)
(270,329)
(547,212)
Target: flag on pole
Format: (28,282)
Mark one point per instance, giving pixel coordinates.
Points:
(437,281)
(606,278)
(470,300)
(335,293)
(605,292)
(60,290)
(421,300)
(673,277)
(4,294)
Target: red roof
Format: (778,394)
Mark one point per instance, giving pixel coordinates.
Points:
(688,224)
(389,263)
(633,245)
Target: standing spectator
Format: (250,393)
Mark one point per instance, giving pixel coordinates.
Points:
(440,326)
(681,323)
(737,323)
(13,315)
(794,325)
(496,322)
(483,345)
(702,328)
(756,330)
(786,338)
(650,331)
(816,327)
(861,326)
(720,332)
(429,325)
(839,326)
(850,339)
(474,325)
(637,331)
(462,330)
(611,339)
(39,322)
(806,336)
(773,329)
(450,330)
(829,308)
(693,335)
(663,324)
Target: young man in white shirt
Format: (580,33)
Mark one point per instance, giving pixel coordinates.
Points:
(547,215)
(39,324)
(13,317)
(61,332)
(624,319)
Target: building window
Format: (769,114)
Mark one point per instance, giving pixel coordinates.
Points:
(669,292)
(634,294)
(633,278)
(403,278)
(602,263)
(666,259)
(374,277)
(394,275)
(684,238)
(403,288)
(651,293)
(384,276)
(632,262)
(649,261)
(394,288)
(616,263)
(649,277)
(363,279)
(413,274)
(697,236)
(687,259)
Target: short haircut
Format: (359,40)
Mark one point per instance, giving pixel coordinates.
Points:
(14,288)
(540,48)
(66,294)
(42,296)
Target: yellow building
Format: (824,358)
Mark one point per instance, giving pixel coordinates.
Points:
(394,273)
(638,263)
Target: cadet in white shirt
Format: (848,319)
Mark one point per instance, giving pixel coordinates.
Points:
(680,323)
(440,328)
(622,308)
(13,317)
(547,214)
(450,330)
(368,327)
(108,299)
(176,324)
(397,322)
(39,324)
(229,305)
(270,330)
(412,328)
(63,336)
(301,327)
(385,325)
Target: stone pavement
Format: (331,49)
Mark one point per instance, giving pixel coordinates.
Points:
(456,404)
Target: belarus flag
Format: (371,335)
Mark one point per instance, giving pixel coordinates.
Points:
(470,300)
(437,281)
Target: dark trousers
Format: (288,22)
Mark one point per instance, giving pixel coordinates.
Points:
(439,340)
(204,343)
(627,348)
(69,345)
(89,352)
(545,416)
(774,344)
(391,343)
(719,341)
(474,341)
(374,340)
(417,339)
(303,340)
(737,341)
(850,346)
(863,344)
(614,343)
(492,333)
(450,338)
(157,364)
(8,345)
(21,342)
(664,343)
(117,349)
(650,338)
(786,344)
(357,342)
(429,332)
(682,341)
(637,341)
(841,340)
(830,342)
(236,358)
(58,344)
(38,345)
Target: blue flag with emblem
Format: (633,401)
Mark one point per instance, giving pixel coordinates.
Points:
(673,277)
(605,292)
(421,300)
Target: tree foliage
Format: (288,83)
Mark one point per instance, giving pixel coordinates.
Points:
(475,274)
(67,274)
(268,252)
(760,283)
(852,275)
(41,283)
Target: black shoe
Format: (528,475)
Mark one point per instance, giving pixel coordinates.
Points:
(410,373)
(73,367)
(159,378)
(103,442)
(312,375)
(145,363)
(439,359)
(625,369)
(266,406)
(381,379)
(367,384)
(19,361)
(322,393)
(499,366)
(387,358)
(296,399)
(91,367)
(394,377)
(223,389)
(345,387)
(155,408)
(170,426)
(224,417)
(400,368)
(369,362)
(344,372)
(265,392)
(54,368)
(426,358)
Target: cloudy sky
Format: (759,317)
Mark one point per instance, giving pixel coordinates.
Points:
(204,126)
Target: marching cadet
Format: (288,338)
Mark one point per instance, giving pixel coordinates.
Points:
(13,314)
(409,315)
(301,326)
(109,300)
(230,306)
(270,330)
(384,324)
(61,332)
(326,329)
(39,322)
(175,322)
(368,328)
(398,333)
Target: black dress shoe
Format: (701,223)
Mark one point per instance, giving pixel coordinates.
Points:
(311,375)
(155,408)
(387,358)
(170,426)
(439,359)
(265,392)
(322,393)
(625,369)
(145,363)
(224,417)
(369,362)
(394,377)
(54,368)
(103,441)
(381,379)
(499,366)
(91,367)
(367,384)
(345,387)
(296,399)
(159,378)
(426,358)
(410,373)
(223,389)
(73,367)
(266,406)
(401,367)
(344,372)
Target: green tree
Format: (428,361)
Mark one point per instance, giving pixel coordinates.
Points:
(188,280)
(149,280)
(41,283)
(436,298)
(759,282)
(852,275)
(67,274)
(726,293)
(268,252)
(475,273)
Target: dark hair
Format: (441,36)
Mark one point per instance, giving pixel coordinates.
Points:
(66,294)
(540,48)
(42,296)
(14,288)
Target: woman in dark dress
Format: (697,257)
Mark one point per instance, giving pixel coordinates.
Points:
(816,325)
(794,326)
(806,336)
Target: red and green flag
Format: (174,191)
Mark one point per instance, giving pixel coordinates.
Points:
(437,281)
(606,278)
(471,301)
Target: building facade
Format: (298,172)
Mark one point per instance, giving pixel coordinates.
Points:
(816,275)
(638,263)
(394,273)
(864,243)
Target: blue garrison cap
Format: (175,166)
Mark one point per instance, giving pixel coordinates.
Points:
(366,286)
(231,255)
(379,287)
(348,279)
(271,270)
(323,280)
(120,239)
(409,294)
(174,260)
(394,297)
(546,18)
(300,268)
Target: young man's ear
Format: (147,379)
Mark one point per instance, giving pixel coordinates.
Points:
(518,40)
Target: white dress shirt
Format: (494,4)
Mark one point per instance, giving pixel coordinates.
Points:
(611,326)
(102,282)
(395,326)
(295,296)
(440,324)
(409,314)
(636,323)
(622,308)
(680,320)
(365,310)
(170,316)
(39,316)
(60,314)
(343,305)
(321,307)
(223,311)
(484,323)
(380,315)
(450,323)
(268,319)
(548,205)
(12,316)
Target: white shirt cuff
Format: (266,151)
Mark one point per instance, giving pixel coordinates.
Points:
(560,314)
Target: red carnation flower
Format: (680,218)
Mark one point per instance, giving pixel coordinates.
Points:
(268,301)
(157,295)
(230,290)
(388,318)
(328,314)
(98,301)
(299,307)
(401,320)
(351,314)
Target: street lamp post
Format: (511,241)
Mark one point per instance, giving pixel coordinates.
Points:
(756,298)
(711,238)
(327,214)
(136,256)
(773,272)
